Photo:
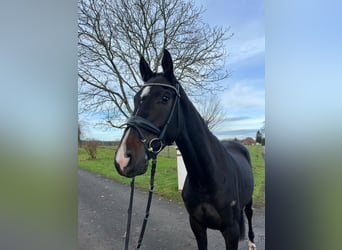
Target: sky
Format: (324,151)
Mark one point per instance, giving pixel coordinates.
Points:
(244,97)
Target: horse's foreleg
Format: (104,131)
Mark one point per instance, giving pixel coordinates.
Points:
(231,236)
(200,233)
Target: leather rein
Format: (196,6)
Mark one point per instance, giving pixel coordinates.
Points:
(152,149)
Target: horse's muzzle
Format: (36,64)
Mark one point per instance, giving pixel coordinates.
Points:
(132,168)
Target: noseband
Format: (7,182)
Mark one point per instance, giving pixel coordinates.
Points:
(155,145)
(152,148)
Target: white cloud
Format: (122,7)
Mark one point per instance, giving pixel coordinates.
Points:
(248,40)
(243,95)
(243,99)
(241,51)
(240,128)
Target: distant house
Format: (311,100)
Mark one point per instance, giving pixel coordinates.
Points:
(248,141)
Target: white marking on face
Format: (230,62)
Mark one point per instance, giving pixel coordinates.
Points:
(145,92)
(121,158)
(233,203)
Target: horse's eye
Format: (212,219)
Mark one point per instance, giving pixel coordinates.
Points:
(165,99)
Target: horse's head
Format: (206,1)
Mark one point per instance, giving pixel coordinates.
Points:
(154,121)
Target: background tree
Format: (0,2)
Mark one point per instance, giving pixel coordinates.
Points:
(113,34)
(258,137)
(79,134)
(90,147)
(211,111)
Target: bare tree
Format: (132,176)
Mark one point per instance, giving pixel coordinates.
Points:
(113,34)
(211,111)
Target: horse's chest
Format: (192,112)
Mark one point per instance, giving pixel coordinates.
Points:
(210,209)
(207,215)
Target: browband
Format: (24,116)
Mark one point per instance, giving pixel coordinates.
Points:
(164,85)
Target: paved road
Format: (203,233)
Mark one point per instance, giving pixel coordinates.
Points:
(102,214)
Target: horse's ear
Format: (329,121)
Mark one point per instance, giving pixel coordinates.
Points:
(145,71)
(167,64)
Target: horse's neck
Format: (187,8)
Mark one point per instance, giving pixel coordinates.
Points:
(197,145)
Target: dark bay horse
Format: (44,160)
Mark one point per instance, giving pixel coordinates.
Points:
(219,183)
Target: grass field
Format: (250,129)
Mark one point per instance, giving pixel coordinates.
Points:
(166,173)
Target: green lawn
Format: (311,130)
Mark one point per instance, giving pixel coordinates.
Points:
(166,173)
(258,165)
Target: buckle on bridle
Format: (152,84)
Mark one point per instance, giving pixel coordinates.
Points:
(155,145)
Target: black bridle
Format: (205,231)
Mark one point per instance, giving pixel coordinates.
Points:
(152,149)
(155,145)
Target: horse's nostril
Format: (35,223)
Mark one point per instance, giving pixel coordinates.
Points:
(128,154)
